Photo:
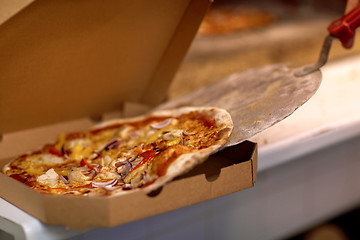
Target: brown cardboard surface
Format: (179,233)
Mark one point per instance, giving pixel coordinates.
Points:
(64,59)
(223,173)
(10,8)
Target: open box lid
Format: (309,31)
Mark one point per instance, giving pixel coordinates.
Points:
(63,59)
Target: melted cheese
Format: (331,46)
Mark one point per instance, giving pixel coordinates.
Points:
(80,151)
(157,134)
(61,141)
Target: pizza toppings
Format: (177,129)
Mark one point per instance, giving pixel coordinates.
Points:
(162,124)
(50,178)
(117,157)
(104,184)
(65,180)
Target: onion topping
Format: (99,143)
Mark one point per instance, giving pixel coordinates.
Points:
(83,169)
(162,124)
(111,188)
(125,170)
(98,168)
(188,134)
(184,134)
(112,144)
(119,164)
(91,174)
(65,152)
(64,179)
(97,154)
(104,184)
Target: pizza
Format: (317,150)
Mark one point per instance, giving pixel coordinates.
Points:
(120,156)
(230,18)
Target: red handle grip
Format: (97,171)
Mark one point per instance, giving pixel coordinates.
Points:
(344,28)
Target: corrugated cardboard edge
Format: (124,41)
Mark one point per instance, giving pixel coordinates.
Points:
(175,52)
(223,173)
(254,163)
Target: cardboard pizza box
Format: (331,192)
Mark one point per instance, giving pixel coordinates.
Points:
(225,172)
(66,64)
(63,60)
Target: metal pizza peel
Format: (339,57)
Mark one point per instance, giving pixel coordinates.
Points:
(261,97)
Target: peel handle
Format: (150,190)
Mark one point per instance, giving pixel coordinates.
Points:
(344,28)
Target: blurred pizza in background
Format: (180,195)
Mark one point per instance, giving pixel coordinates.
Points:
(229,18)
